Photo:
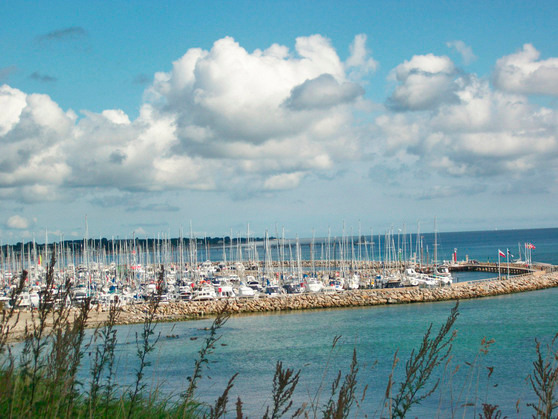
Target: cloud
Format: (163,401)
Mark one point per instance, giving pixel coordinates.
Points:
(71,33)
(444,192)
(6,72)
(484,133)
(12,103)
(261,122)
(139,231)
(222,119)
(42,77)
(283,181)
(266,111)
(360,62)
(17,222)
(323,92)
(523,72)
(466,51)
(32,132)
(424,82)
(159,207)
(240,94)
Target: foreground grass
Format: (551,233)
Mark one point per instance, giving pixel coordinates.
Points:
(42,380)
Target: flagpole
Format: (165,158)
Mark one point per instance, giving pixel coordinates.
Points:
(508,262)
(499,264)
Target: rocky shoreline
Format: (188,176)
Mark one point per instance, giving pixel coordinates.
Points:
(356,298)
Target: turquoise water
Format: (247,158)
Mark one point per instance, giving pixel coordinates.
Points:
(251,345)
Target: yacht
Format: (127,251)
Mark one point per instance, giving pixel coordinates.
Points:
(204,293)
(244,291)
(314,285)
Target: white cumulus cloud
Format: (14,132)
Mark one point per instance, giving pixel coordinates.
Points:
(12,102)
(424,82)
(221,119)
(484,133)
(523,72)
(360,62)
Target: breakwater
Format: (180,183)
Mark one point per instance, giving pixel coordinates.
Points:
(357,298)
(179,311)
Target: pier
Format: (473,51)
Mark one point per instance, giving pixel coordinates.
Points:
(371,266)
(514,269)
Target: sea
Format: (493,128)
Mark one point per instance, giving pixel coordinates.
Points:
(490,362)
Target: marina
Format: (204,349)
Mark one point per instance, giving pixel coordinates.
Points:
(134,271)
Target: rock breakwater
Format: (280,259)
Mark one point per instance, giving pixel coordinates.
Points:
(356,298)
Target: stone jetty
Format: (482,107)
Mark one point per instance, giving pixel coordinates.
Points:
(180,311)
(357,298)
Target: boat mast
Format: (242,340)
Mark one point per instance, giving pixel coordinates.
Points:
(435,261)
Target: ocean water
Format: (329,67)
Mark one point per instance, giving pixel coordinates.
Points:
(251,345)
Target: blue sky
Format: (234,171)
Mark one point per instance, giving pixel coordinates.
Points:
(145,116)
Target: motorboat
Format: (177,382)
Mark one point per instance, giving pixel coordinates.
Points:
(314,285)
(293,288)
(224,290)
(244,291)
(336,285)
(204,293)
(443,275)
(353,282)
(255,285)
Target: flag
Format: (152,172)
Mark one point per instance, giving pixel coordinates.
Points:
(509,254)
(501,253)
(531,246)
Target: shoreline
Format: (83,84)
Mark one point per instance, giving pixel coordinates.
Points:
(192,310)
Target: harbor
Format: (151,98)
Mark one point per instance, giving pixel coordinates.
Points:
(203,270)
(382,315)
(180,310)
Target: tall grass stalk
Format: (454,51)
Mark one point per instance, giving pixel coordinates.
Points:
(342,398)
(44,382)
(284,385)
(544,381)
(103,362)
(145,342)
(432,352)
(469,394)
(208,347)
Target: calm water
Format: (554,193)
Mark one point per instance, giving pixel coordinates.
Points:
(302,340)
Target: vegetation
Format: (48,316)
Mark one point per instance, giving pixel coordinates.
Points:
(41,380)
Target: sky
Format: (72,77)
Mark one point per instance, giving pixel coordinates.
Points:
(151,118)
